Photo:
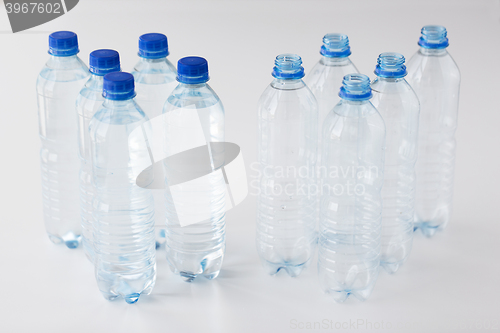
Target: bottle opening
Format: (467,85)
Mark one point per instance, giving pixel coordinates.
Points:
(391,65)
(355,87)
(288,66)
(335,45)
(434,37)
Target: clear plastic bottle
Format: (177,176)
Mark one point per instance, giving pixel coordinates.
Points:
(287,148)
(398,104)
(325,79)
(155,78)
(352,175)
(88,102)
(197,112)
(57,88)
(124,243)
(435,77)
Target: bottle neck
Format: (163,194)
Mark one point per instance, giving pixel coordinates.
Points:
(432,52)
(288,84)
(191,85)
(335,61)
(153,62)
(392,80)
(121,104)
(350,102)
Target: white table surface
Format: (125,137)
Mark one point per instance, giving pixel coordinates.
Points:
(450,283)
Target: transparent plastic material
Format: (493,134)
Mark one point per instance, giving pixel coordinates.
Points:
(155,79)
(195,249)
(57,88)
(435,77)
(325,79)
(287,194)
(398,104)
(88,102)
(351,205)
(124,241)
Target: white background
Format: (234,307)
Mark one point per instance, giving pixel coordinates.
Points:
(451,282)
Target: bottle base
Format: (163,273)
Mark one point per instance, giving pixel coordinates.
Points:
(428,229)
(71,240)
(293,270)
(208,268)
(340,296)
(391,267)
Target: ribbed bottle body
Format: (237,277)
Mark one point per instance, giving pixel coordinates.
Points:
(57,89)
(287,150)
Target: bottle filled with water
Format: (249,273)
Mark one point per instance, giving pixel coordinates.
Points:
(196,208)
(398,104)
(88,102)
(155,78)
(435,77)
(287,148)
(57,87)
(124,241)
(326,76)
(351,174)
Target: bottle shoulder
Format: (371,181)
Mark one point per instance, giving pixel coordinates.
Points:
(59,69)
(193,96)
(329,73)
(276,102)
(92,90)
(157,72)
(118,113)
(432,66)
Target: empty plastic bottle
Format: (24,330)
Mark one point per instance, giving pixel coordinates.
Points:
(326,76)
(57,87)
(88,102)
(435,77)
(124,241)
(194,116)
(398,104)
(351,182)
(287,148)
(155,78)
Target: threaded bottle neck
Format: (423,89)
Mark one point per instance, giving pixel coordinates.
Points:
(434,37)
(335,46)
(288,67)
(391,65)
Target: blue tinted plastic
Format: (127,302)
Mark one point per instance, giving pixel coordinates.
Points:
(118,86)
(104,61)
(335,46)
(192,70)
(391,65)
(433,37)
(355,87)
(63,43)
(288,66)
(153,46)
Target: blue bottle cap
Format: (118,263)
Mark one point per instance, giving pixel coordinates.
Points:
(192,70)
(355,87)
(153,46)
(102,62)
(118,86)
(63,44)
(288,67)
(391,65)
(335,46)
(433,37)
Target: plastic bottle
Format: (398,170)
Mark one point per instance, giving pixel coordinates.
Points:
(155,78)
(435,77)
(326,76)
(398,104)
(287,148)
(195,117)
(123,213)
(351,182)
(88,102)
(57,87)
